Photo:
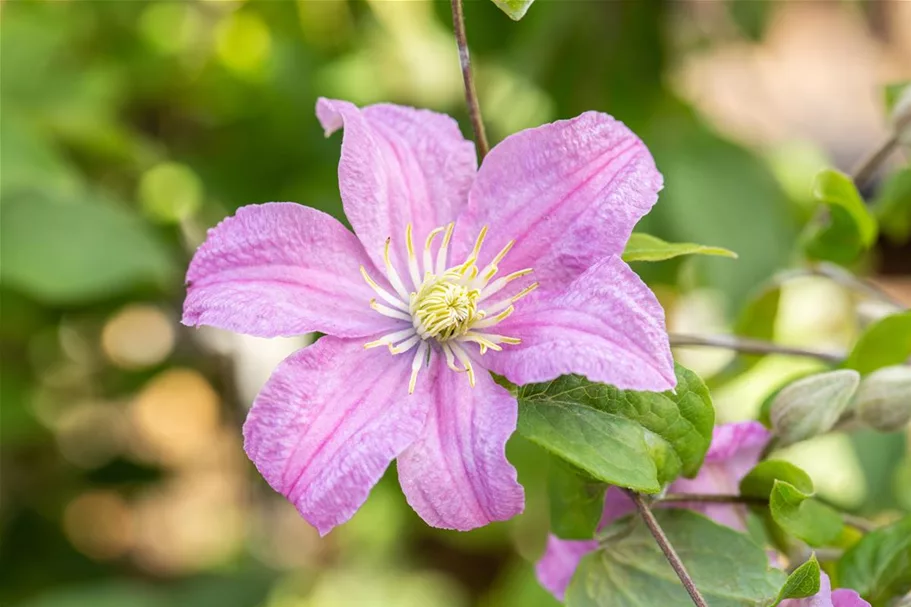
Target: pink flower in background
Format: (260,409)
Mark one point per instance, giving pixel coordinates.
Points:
(450,271)
(734,451)
(826,597)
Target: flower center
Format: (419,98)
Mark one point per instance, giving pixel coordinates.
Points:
(446,308)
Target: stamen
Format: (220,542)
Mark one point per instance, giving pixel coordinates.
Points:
(393,276)
(428,257)
(405,345)
(482,341)
(491,269)
(412,259)
(450,358)
(387,297)
(499,283)
(494,320)
(391,338)
(416,365)
(444,247)
(388,311)
(465,360)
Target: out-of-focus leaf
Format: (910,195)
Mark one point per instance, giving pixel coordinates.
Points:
(883,400)
(676,426)
(851,228)
(609,447)
(77,253)
(110,594)
(811,405)
(892,91)
(879,565)
(893,206)
(516,9)
(760,480)
(884,343)
(576,501)
(729,569)
(803,581)
(803,517)
(751,16)
(756,321)
(645,247)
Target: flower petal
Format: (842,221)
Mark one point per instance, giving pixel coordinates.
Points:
(281,269)
(398,165)
(456,476)
(327,424)
(561,558)
(569,193)
(607,326)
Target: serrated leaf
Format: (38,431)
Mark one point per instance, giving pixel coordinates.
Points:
(759,481)
(645,247)
(729,569)
(879,565)
(803,517)
(576,501)
(676,427)
(803,581)
(64,254)
(515,9)
(884,343)
(609,447)
(851,227)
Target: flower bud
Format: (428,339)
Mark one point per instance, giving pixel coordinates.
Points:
(883,400)
(812,405)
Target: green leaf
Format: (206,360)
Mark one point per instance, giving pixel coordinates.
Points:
(812,405)
(879,565)
(851,228)
(759,481)
(645,247)
(756,321)
(893,206)
(803,517)
(76,253)
(884,343)
(676,427)
(576,501)
(729,569)
(803,581)
(609,447)
(515,9)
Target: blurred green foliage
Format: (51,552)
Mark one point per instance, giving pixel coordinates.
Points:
(127,128)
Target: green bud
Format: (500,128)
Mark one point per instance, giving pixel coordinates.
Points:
(883,400)
(812,405)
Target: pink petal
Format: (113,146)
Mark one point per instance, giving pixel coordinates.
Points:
(398,165)
(456,476)
(329,421)
(569,193)
(734,451)
(281,269)
(556,568)
(607,325)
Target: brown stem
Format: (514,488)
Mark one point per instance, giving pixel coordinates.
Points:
(471,95)
(750,346)
(868,166)
(710,498)
(669,553)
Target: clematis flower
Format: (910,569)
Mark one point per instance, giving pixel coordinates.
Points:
(826,597)
(451,271)
(735,449)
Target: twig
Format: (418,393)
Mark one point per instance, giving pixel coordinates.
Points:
(858,522)
(471,95)
(750,346)
(868,166)
(710,498)
(670,554)
(843,277)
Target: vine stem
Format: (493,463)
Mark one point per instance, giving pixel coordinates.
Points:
(471,95)
(868,166)
(669,553)
(841,276)
(750,346)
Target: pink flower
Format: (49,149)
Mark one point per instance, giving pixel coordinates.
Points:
(826,597)
(734,451)
(454,271)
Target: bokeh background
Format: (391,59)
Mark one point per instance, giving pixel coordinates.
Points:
(129,127)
